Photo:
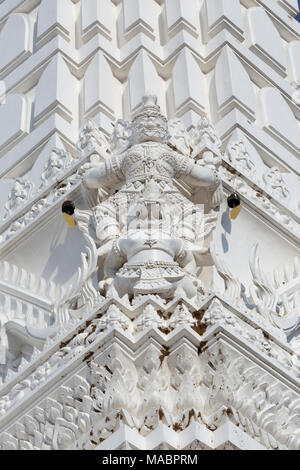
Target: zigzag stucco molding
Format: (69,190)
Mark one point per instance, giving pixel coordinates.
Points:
(216,344)
(195,437)
(255,64)
(245,325)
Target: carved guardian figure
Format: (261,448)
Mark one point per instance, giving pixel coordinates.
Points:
(149,233)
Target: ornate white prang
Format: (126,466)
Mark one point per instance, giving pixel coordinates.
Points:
(144,354)
(156,388)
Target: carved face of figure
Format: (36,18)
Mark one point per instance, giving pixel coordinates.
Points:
(276,176)
(121,137)
(203,123)
(177,129)
(18,191)
(54,161)
(149,125)
(122,129)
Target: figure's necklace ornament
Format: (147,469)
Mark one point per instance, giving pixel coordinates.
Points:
(150,236)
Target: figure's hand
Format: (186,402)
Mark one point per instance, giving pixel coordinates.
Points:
(201,176)
(105,285)
(210,160)
(217,196)
(93,162)
(95,176)
(105,249)
(198,249)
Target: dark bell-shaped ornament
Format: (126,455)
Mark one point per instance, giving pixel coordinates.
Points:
(233,200)
(68,209)
(234,203)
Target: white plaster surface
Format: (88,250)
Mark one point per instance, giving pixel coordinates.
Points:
(69,70)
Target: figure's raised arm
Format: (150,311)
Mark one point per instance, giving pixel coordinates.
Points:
(105,174)
(200,176)
(193,174)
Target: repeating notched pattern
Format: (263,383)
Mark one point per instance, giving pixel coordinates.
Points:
(119,46)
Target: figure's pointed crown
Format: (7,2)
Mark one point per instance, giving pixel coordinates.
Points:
(150,104)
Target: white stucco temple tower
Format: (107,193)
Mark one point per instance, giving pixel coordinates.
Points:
(149,224)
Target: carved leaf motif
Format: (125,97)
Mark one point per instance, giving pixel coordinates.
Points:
(65,435)
(114,383)
(81,387)
(79,285)
(186,379)
(8,442)
(54,410)
(31,425)
(39,414)
(182,316)
(264,295)
(83,422)
(19,431)
(154,380)
(232,285)
(26,445)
